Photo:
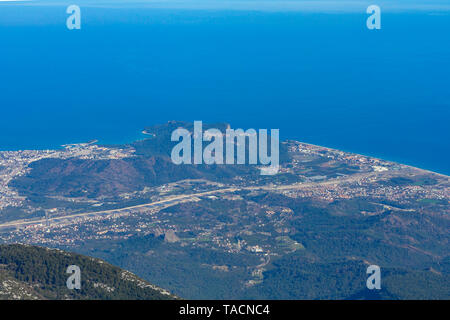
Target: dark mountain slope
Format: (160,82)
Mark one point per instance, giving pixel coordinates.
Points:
(30,272)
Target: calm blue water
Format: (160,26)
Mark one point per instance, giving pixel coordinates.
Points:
(320,78)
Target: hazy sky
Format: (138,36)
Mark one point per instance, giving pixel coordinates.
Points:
(269,5)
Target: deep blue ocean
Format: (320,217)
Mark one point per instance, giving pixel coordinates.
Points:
(320,78)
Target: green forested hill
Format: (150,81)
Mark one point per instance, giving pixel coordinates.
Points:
(30,272)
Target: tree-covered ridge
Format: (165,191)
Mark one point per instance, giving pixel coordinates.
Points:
(31,272)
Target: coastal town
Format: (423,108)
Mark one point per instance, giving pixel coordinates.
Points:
(130,202)
(324,176)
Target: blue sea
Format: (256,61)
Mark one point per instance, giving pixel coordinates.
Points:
(319,75)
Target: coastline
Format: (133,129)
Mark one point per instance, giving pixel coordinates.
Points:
(377,158)
(144,134)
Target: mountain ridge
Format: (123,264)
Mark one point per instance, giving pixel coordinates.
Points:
(32,272)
